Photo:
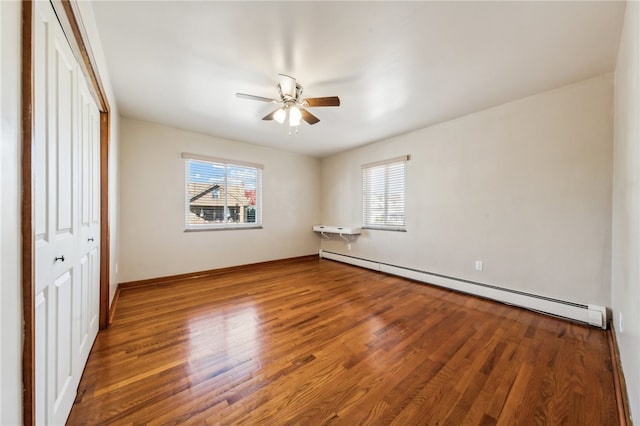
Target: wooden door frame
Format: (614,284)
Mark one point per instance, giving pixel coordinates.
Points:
(69,16)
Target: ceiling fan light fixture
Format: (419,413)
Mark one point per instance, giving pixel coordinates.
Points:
(293,108)
(294,116)
(280,115)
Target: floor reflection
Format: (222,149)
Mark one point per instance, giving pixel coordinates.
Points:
(228,337)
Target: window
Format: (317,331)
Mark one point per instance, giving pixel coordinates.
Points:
(222,194)
(383,185)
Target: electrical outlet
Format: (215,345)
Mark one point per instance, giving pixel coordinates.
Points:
(116,268)
(349,246)
(479,265)
(620,329)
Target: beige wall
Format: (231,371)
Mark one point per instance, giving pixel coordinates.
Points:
(153,241)
(625,291)
(10,152)
(525,187)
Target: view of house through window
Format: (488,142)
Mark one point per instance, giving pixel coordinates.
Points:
(383,194)
(221,193)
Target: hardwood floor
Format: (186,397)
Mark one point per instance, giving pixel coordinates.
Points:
(315,342)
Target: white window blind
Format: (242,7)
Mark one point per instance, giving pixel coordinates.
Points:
(222,194)
(383,194)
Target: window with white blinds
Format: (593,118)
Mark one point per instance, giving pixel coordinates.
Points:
(221,194)
(383,194)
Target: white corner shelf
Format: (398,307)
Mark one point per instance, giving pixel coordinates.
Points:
(345,232)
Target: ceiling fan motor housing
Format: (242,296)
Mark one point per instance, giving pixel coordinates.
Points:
(286,97)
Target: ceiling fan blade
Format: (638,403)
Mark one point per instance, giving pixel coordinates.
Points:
(271,114)
(287,85)
(256,98)
(308,117)
(322,102)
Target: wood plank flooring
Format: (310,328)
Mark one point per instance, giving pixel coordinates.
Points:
(315,342)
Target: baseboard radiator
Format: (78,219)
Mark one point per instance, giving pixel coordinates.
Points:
(590,314)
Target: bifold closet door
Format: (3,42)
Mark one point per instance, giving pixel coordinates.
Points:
(88,294)
(66,237)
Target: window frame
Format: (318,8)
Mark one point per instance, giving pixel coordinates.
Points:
(222,194)
(367,208)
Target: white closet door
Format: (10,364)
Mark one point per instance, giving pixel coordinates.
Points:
(88,295)
(66,238)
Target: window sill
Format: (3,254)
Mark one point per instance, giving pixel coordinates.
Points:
(376,228)
(223,228)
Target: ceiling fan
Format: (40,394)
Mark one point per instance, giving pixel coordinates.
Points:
(293,106)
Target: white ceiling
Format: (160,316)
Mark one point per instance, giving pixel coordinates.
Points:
(397,66)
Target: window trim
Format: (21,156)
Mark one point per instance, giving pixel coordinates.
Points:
(386,227)
(221,226)
(189,156)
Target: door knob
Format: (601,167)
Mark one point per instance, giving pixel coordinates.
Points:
(90,239)
(61,258)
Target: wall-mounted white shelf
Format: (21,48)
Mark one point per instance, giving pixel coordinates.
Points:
(345,232)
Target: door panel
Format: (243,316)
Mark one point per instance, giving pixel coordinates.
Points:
(88,131)
(62,135)
(41,142)
(86,304)
(84,130)
(83,293)
(94,293)
(44,217)
(88,145)
(62,139)
(41,156)
(62,73)
(60,359)
(41,314)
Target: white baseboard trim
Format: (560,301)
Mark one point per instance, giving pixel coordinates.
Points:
(590,314)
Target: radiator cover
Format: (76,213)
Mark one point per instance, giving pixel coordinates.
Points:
(594,315)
